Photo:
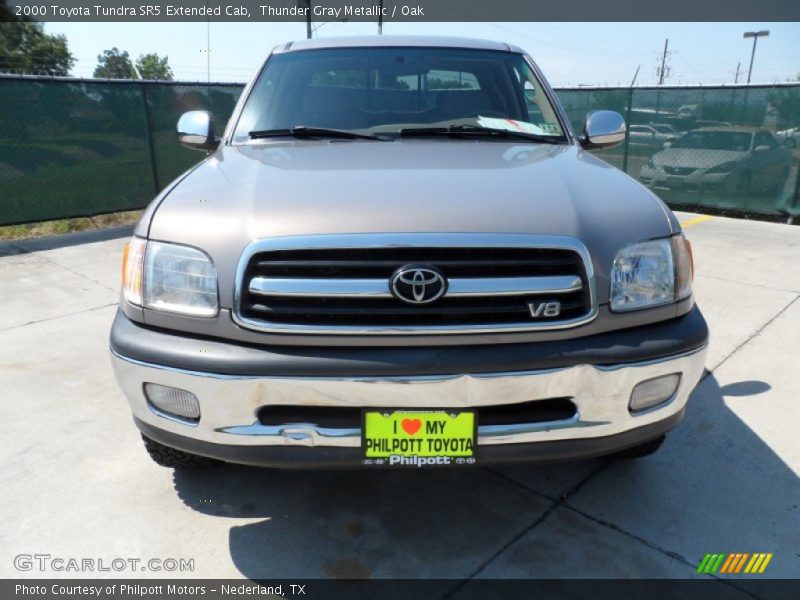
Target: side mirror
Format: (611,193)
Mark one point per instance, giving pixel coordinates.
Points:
(761,148)
(667,144)
(196,131)
(603,129)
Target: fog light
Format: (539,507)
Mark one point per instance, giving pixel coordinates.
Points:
(173,402)
(650,393)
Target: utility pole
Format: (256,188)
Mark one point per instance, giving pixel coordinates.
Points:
(738,66)
(755,35)
(663,62)
(208,46)
(662,73)
(309,31)
(635,75)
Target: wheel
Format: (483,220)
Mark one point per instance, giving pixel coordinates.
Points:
(174,458)
(641,450)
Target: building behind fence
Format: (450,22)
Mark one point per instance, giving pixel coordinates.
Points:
(74,148)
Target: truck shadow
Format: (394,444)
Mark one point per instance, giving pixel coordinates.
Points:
(445,523)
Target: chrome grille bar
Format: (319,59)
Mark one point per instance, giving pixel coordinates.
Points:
(379,288)
(338,288)
(514,286)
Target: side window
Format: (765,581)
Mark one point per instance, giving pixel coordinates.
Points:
(534,113)
(540,111)
(765,139)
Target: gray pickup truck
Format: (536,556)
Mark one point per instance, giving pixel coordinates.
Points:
(400,254)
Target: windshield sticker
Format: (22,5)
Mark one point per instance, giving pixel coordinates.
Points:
(509,125)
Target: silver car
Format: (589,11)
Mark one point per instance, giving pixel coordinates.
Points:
(731,160)
(649,137)
(398,253)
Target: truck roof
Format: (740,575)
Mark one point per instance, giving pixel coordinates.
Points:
(389,41)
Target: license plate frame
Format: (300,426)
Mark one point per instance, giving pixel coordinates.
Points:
(419,452)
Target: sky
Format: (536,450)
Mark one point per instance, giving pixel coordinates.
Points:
(570,54)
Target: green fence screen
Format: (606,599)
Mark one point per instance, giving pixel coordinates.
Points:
(73,148)
(732,149)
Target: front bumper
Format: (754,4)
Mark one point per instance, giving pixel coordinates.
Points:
(598,373)
(696,181)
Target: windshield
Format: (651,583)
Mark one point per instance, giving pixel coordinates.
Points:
(384,90)
(736,141)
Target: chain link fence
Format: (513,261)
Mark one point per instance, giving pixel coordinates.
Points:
(77,148)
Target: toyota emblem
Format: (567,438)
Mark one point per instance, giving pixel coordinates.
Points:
(418,285)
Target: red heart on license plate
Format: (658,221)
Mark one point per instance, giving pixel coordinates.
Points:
(411,426)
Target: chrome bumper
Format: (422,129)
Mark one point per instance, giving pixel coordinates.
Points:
(229,404)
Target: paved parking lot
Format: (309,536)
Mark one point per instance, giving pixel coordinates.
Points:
(76,482)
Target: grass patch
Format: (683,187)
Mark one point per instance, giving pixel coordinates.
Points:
(32,230)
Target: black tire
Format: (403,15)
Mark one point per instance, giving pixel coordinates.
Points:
(173,458)
(641,450)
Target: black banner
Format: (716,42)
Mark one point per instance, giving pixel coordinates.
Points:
(707,588)
(401,10)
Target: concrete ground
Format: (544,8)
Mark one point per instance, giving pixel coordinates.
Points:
(75,481)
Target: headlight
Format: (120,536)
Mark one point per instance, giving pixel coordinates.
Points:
(725,167)
(170,277)
(651,273)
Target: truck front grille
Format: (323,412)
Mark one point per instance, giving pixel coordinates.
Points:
(343,288)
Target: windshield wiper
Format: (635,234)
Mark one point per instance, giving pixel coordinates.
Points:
(475,130)
(303,132)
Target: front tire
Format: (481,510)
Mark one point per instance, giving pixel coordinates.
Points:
(173,458)
(642,450)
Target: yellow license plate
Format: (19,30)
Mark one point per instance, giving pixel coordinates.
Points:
(418,438)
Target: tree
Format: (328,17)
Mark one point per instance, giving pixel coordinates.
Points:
(5,13)
(26,48)
(151,66)
(114,64)
(434,83)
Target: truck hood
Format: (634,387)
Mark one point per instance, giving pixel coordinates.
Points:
(243,193)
